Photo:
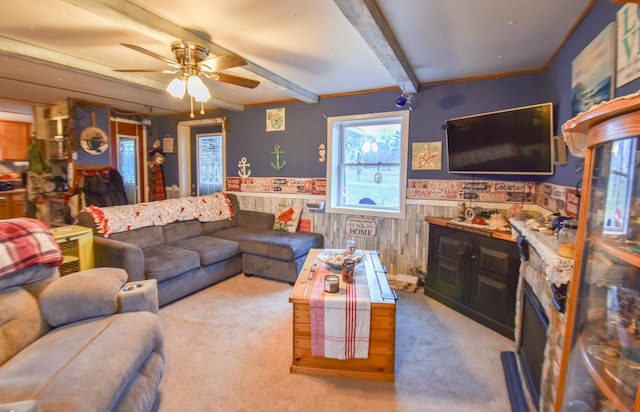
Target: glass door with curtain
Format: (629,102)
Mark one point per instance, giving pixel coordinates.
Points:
(128,166)
(209,172)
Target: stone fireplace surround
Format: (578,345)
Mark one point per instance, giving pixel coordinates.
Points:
(543,268)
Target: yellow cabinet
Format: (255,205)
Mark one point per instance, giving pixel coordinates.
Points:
(76,243)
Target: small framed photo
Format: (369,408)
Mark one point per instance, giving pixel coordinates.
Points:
(275,119)
(426,156)
(167,144)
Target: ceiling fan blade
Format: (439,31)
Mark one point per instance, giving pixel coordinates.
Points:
(166,71)
(226,61)
(231,79)
(170,62)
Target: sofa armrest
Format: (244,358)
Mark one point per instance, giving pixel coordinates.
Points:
(82,295)
(139,296)
(255,220)
(113,253)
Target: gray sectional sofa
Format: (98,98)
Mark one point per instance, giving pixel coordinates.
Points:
(187,255)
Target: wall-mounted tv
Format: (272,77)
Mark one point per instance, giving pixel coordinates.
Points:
(517,141)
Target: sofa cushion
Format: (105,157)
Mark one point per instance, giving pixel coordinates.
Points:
(164,262)
(84,366)
(212,227)
(211,249)
(181,230)
(143,238)
(82,295)
(276,244)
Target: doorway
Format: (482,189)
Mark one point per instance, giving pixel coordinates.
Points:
(127,137)
(128,166)
(188,158)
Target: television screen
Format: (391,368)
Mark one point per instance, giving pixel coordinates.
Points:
(516,141)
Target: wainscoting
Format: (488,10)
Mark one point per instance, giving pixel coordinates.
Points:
(403,243)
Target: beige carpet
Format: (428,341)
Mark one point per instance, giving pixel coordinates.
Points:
(228,348)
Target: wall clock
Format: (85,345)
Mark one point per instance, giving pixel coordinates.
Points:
(275,119)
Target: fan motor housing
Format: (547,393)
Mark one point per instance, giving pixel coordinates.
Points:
(188,53)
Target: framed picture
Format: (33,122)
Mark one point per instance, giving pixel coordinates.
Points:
(167,144)
(275,119)
(426,156)
(628,57)
(592,72)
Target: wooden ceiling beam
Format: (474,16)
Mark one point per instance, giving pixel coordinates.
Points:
(368,20)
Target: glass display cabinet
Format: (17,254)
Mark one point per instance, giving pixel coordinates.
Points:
(600,367)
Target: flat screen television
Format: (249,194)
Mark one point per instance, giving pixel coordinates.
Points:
(517,141)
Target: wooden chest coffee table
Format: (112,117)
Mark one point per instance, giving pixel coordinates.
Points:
(380,363)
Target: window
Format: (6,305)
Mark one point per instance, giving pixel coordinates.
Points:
(209,163)
(366,163)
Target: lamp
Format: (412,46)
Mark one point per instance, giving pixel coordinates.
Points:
(192,84)
(197,89)
(177,88)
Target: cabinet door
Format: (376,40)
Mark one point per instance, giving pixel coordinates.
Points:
(14,140)
(18,205)
(493,279)
(5,206)
(446,272)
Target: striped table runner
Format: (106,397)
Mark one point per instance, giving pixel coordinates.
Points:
(340,322)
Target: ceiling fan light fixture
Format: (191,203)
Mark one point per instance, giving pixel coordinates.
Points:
(197,89)
(177,88)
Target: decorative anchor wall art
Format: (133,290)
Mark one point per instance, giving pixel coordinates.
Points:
(279,163)
(244,168)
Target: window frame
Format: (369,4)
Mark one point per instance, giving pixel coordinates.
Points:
(334,151)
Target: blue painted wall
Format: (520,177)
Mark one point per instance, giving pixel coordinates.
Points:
(558,77)
(306,123)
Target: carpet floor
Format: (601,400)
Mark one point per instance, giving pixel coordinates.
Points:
(229,348)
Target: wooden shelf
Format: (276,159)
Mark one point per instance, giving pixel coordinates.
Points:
(616,249)
(608,386)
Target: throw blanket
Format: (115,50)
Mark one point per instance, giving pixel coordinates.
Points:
(115,219)
(26,242)
(340,322)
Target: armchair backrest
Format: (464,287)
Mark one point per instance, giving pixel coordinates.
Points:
(21,322)
(29,256)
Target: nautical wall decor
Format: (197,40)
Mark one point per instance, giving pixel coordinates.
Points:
(244,168)
(279,163)
(322,152)
(275,119)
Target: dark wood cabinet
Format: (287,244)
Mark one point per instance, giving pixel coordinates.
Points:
(475,274)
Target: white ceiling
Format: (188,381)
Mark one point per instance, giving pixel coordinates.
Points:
(297,49)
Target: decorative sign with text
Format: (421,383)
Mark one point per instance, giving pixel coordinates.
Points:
(361,227)
(472,190)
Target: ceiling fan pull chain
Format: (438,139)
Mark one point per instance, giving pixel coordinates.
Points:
(191,115)
(202,108)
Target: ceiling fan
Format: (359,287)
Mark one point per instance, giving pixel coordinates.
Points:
(192,62)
